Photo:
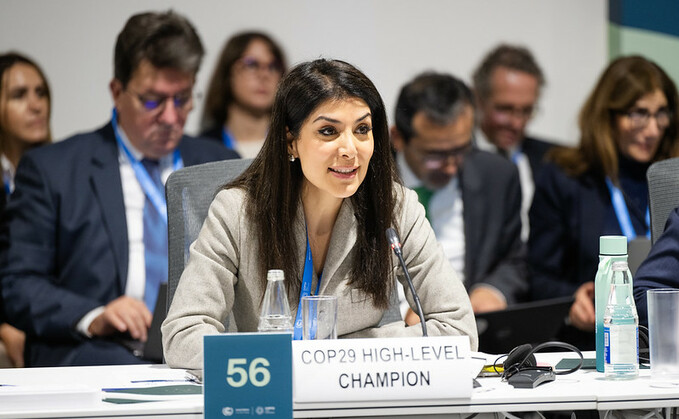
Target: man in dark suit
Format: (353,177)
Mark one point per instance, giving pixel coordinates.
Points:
(507,86)
(472,198)
(661,268)
(84,243)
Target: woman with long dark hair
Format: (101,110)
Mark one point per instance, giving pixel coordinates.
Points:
(324,181)
(242,90)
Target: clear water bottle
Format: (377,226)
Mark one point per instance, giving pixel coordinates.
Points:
(275,315)
(621,327)
(611,249)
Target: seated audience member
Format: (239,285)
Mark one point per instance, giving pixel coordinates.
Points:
(628,122)
(24,124)
(661,267)
(507,86)
(472,198)
(241,92)
(84,240)
(324,181)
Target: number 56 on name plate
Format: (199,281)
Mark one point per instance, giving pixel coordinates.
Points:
(247,375)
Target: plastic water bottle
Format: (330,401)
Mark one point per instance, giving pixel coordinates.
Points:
(621,327)
(275,315)
(611,249)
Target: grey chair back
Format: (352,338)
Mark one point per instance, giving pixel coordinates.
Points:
(663,193)
(189,193)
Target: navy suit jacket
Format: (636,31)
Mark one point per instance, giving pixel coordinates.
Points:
(3,203)
(214,134)
(64,242)
(535,150)
(566,219)
(494,252)
(661,267)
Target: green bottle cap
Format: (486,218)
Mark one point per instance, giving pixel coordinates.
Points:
(613,245)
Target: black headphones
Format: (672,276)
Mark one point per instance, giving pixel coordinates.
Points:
(521,358)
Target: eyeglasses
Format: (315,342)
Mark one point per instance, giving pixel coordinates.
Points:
(252,65)
(156,103)
(436,159)
(640,117)
(504,113)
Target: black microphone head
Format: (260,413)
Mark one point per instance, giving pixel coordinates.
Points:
(393,239)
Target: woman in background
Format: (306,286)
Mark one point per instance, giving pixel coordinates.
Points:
(599,188)
(241,92)
(324,186)
(24,123)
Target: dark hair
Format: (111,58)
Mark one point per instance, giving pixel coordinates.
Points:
(166,40)
(273,183)
(7,61)
(219,94)
(509,56)
(624,81)
(441,97)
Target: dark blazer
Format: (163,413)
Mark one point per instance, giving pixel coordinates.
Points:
(661,267)
(213,134)
(535,150)
(566,219)
(3,203)
(64,243)
(494,252)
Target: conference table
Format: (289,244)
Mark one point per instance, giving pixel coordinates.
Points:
(103,392)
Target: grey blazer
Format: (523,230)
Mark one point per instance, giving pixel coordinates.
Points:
(494,254)
(222,276)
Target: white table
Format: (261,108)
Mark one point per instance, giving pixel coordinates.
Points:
(581,390)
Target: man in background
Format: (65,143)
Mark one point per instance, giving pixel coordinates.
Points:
(507,87)
(84,242)
(472,198)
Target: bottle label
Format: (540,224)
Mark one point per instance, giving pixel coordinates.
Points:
(621,345)
(607,345)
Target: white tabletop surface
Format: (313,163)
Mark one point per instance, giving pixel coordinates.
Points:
(585,389)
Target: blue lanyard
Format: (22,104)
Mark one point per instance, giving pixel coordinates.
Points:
(306,289)
(153,193)
(622,213)
(515,155)
(8,190)
(227,138)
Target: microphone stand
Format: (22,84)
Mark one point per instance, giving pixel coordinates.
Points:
(392,236)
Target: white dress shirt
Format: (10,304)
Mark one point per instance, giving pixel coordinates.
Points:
(445,214)
(7,172)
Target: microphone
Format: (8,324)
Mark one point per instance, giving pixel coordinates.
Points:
(395,242)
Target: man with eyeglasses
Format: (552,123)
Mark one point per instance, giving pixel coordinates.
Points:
(472,198)
(507,86)
(84,243)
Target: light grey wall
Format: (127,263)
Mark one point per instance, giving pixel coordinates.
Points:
(390,40)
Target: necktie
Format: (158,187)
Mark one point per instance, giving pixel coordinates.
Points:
(424,196)
(155,240)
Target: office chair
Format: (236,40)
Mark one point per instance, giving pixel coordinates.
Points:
(663,193)
(189,193)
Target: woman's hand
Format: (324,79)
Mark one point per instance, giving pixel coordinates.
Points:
(582,314)
(14,340)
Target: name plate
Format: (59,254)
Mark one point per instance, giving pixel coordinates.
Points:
(382,369)
(247,374)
